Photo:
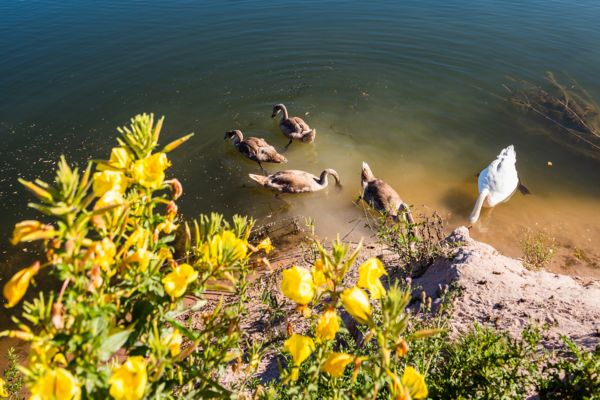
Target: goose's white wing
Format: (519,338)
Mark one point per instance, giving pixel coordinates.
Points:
(500,177)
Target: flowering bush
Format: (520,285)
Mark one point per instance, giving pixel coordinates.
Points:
(322,364)
(118,326)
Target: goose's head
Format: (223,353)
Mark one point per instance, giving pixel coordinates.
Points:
(276,109)
(235,135)
(366,175)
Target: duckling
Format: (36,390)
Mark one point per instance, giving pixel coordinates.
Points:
(255,149)
(295,181)
(381,196)
(293,128)
(497,182)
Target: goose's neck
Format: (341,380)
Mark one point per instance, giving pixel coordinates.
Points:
(284,112)
(237,138)
(478,204)
(323,179)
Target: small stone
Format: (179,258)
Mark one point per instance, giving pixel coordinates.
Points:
(549,163)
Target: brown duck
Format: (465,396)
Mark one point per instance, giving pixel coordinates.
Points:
(295,181)
(293,128)
(381,196)
(255,149)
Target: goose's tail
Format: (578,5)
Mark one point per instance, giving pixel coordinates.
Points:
(260,179)
(309,136)
(478,204)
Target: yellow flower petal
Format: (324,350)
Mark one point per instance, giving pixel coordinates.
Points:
(300,347)
(176,282)
(318,274)
(15,288)
(265,245)
(57,383)
(119,158)
(128,381)
(415,382)
(297,285)
(27,231)
(3,392)
(173,342)
(369,273)
(356,302)
(150,172)
(327,325)
(336,363)
(108,180)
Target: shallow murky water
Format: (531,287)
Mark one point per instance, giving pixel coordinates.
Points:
(406,86)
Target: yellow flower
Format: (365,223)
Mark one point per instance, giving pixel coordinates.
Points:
(57,383)
(110,198)
(150,172)
(142,257)
(368,277)
(356,302)
(119,158)
(265,245)
(297,285)
(27,231)
(15,288)
(167,227)
(327,325)
(336,363)
(225,248)
(128,381)
(173,341)
(318,274)
(3,392)
(104,252)
(176,282)
(107,181)
(300,347)
(415,382)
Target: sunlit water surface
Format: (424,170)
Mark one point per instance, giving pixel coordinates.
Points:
(409,87)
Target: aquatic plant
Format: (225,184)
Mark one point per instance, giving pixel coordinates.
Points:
(568,106)
(120,323)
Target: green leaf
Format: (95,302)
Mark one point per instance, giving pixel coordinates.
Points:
(113,343)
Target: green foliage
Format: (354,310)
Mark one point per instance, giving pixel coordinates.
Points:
(12,376)
(417,244)
(121,323)
(575,375)
(538,249)
(485,364)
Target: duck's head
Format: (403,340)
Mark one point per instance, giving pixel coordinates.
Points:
(235,135)
(277,108)
(366,175)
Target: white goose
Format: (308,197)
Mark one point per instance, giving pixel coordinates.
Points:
(497,182)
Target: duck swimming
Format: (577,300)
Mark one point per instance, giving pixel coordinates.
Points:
(255,149)
(293,128)
(381,196)
(295,181)
(497,182)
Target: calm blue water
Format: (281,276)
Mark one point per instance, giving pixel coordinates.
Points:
(407,86)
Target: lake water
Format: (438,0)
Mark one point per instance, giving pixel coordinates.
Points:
(409,87)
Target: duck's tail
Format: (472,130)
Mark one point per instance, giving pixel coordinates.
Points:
(478,204)
(260,179)
(309,136)
(278,158)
